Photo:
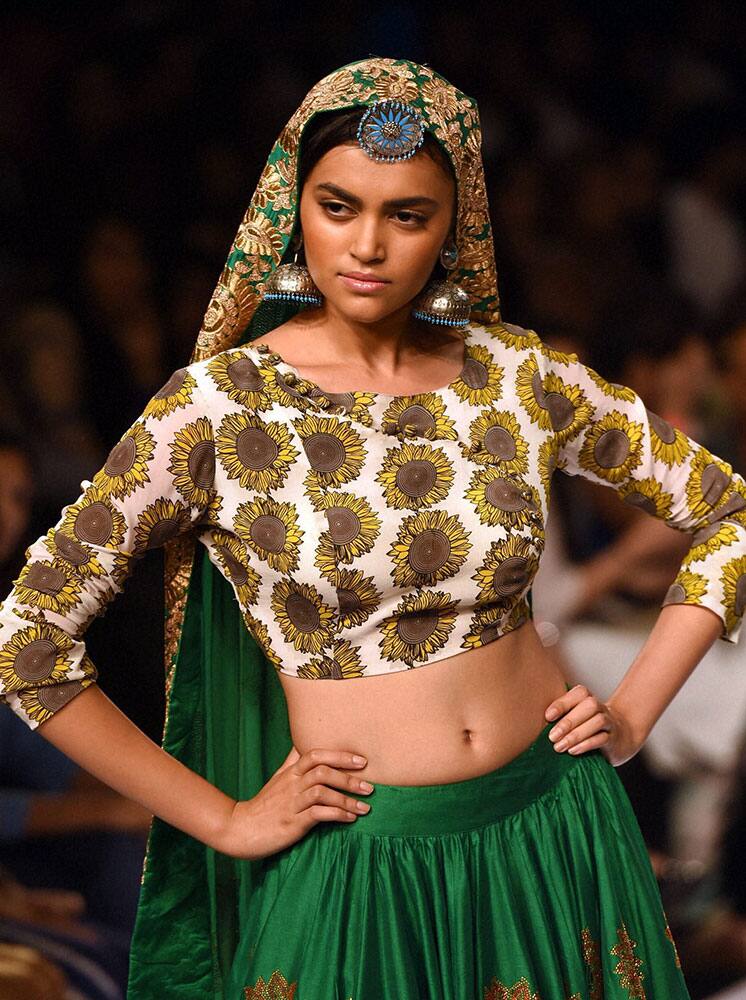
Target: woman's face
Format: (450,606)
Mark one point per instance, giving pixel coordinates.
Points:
(385,220)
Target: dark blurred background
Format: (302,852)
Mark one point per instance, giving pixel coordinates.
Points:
(132,136)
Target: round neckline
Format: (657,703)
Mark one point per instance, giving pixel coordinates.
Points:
(280,363)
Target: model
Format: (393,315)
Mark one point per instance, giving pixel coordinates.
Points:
(365,451)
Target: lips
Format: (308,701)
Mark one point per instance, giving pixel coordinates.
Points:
(359,282)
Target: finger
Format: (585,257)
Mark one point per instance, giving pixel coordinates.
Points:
(335,758)
(598,740)
(587,708)
(597,723)
(323,795)
(322,774)
(565,702)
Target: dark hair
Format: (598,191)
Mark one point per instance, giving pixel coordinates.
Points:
(336,128)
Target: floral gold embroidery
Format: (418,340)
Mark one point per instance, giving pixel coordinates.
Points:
(519,991)
(628,966)
(277,988)
(592,956)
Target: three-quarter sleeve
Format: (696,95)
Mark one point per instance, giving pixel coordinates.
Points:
(156,482)
(605,433)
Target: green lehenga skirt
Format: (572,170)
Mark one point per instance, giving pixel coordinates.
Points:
(531,881)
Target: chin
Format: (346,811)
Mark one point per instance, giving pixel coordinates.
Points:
(367,311)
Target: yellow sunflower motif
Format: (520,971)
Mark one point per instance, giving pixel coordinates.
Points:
(687,588)
(357,597)
(325,557)
(430,546)
(426,411)
(40,703)
(733,579)
(496,439)
(569,408)
(213,509)
(64,546)
(612,389)
(121,568)
(35,654)
(548,464)
(193,462)
(670,445)
(257,454)
(502,499)
(94,520)
(344,664)
(305,620)
(485,626)
(513,336)
(279,390)
(419,626)
(708,480)
(174,395)
(333,448)
(710,540)
(560,357)
(126,467)
(506,570)
(260,634)
(237,375)
(159,522)
(48,584)
(353,524)
(529,386)
(276,988)
(480,381)
(648,495)
(270,529)
(236,567)
(415,476)
(612,447)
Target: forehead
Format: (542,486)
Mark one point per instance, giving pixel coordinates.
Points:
(351,168)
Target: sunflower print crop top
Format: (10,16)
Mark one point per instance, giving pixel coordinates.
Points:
(364,533)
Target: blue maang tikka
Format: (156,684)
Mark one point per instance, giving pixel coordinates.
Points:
(391,130)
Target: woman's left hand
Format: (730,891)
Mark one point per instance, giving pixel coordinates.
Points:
(584,723)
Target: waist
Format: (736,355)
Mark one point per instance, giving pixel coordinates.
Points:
(443,722)
(450,807)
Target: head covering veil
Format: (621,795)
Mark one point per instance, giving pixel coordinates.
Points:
(226,716)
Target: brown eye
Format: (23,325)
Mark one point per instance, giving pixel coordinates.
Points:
(411,218)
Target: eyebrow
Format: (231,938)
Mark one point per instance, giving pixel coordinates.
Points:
(392,203)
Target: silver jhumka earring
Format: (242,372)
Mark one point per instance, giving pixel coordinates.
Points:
(443,302)
(292,282)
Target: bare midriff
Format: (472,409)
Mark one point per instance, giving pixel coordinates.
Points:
(445,721)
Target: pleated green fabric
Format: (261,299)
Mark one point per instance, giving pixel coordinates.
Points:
(228,721)
(531,881)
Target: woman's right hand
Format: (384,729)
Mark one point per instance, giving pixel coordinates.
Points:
(301,793)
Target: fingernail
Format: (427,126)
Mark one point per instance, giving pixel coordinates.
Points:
(366,786)
(552,714)
(362,807)
(357,759)
(561,745)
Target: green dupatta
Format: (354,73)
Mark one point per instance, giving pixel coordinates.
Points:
(226,715)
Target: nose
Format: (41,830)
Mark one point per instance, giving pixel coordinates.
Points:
(367,243)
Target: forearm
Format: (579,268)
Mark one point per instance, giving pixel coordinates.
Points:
(680,638)
(94,733)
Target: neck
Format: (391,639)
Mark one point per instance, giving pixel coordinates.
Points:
(378,346)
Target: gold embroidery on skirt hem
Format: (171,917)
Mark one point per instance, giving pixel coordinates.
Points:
(277,988)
